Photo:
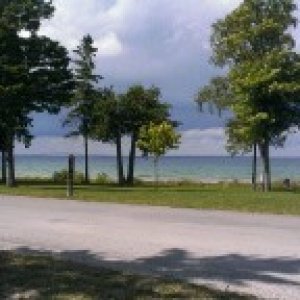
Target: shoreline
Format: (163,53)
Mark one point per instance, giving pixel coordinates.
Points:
(166,180)
(65,155)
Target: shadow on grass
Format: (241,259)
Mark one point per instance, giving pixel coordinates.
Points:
(230,269)
(35,275)
(293,190)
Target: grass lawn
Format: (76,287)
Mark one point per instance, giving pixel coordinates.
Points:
(41,277)
(234,197)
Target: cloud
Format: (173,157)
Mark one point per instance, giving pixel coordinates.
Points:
(109,45)
(150,41)
(194,142)
(165,43)
(55,145)
(206,142)
(291,147)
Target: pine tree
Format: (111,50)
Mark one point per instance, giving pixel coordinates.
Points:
(85,93)
(34,72)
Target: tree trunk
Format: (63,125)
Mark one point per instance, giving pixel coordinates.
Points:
(155,165)
(4,166)
(121,179)
(10,180)
(254,167)
(265,156)
(131,162)
(86,159)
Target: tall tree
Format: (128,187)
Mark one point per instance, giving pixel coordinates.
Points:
(255,42)
(117,116)
(218,96)
(3,154)
(141,107)
(34,73)
(85,92)
(107,124)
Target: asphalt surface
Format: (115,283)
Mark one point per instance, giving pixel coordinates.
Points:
(256,254)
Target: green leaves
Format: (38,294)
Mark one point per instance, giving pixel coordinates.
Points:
(254,28)
(126,113)
(26,15)
(156,139)
(263,80)
(263,83)
(142,106)
(217,94)
(34,70)
(107,116)
(115,116)
(85,93)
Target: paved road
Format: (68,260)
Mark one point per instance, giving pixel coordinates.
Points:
(255,254)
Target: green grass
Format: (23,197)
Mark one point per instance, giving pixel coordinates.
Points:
(43,277)
(234,197)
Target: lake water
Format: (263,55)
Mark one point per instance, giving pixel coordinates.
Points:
(173,168)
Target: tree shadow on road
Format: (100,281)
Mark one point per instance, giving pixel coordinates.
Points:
(231,269)
(38,275)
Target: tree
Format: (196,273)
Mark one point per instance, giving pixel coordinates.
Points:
(254,41)
(218,95)
(141,106)
(156,140)
(85,92)
(34,73)
(117,116)
(270,106)
(107,124)
(3,155)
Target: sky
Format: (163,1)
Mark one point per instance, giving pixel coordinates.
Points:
(151,42)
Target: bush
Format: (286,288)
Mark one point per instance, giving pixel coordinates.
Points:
(138,181)
(62,176)
(103,178)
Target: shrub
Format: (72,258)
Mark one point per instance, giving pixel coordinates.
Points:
(138,181)
(62,176)
(103,178)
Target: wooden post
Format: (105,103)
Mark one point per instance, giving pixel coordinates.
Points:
(71,172)
(86,159)
(4,167)
(254,167)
